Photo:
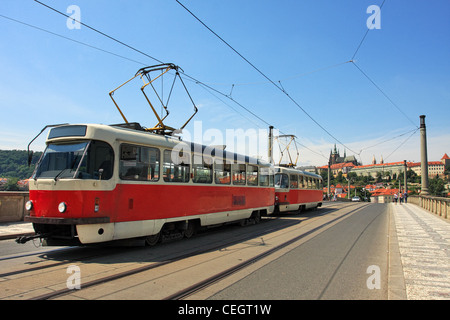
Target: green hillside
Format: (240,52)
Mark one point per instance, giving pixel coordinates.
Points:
(14,164)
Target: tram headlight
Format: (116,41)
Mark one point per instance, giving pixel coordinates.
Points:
(62,207)
(29,205)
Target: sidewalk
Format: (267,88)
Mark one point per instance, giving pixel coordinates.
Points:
(424,244)
(12,230)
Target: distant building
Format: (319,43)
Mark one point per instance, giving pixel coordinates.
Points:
(385,169)
(383,195)
(339,167)
(435,168)
(340,164)
(336,158)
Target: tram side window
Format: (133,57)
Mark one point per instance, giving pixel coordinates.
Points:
(252,175)
(239,174)
(202,169)
(100,159)
(264,177)
(294,181)
(174,172)
(301,182)
(139,163)
(222,173)
(281,180)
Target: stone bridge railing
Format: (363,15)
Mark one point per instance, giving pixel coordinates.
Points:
(12,205)
(437,205)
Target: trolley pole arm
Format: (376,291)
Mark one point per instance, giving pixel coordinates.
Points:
(160,121)
(111,93)
(193,103)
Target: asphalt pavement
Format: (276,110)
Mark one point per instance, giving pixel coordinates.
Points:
(405,245)
(385,251)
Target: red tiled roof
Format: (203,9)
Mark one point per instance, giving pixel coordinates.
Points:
(408,164)
(383,192)
(338,166)
(446,157)
(430,163)
(381,165)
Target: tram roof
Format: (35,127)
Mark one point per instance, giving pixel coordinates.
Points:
(134,133)
(296,171)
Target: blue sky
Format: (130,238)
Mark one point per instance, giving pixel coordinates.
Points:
(46,79)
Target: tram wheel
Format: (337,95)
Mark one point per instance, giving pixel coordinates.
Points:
(257,217)
(152,240)
(190,230)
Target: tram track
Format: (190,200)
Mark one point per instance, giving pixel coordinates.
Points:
(180,294)
(219,276)
(46,255)
(189,290)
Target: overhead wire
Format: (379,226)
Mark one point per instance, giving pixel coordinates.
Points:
(98,31)
(298,75)
(352,60)
(366,33)
(198,82)
(265,76)
(390,139)
(70,39)
(401,144)
(281,88)
(206,86)
(384,94)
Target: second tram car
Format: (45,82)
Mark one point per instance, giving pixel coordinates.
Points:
(297,190)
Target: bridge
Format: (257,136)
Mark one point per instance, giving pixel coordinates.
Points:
(343,250)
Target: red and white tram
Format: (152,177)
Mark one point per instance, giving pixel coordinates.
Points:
(297,190)
(98,183)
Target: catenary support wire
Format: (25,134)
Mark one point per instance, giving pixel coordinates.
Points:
(265,76)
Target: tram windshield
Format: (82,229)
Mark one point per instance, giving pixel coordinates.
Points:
(79,160)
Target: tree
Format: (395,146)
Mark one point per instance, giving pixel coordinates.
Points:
(11,185)
(412,177)
(379,177)
(340,177)
(352,176)
(324,175)
(14,163)
(436,186)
